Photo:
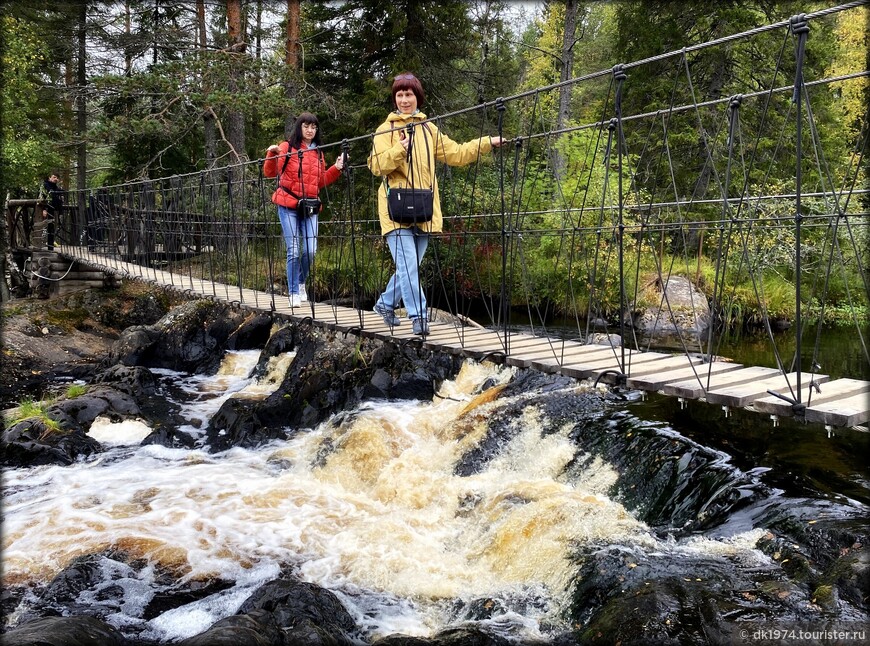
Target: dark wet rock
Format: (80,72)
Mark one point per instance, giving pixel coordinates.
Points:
(173,594)
(398,639)
(132,345)
(98,585)
(34,441)
(171,438)
(253,333)
(665,480)
(828,556)
(82,371)
(61,595)
(133,380)
(98,400)
(238,423)
(65,631)
(284,611)
(330,372)
(190,338)
(471,636)
(289,601)
(87,586)
(258,628)
(284,339)
(31,443)
(478,609)
(627,596)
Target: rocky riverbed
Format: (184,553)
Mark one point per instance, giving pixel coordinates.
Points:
(704,549)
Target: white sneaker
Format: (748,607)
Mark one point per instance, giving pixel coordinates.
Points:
(295,301)
(303,295)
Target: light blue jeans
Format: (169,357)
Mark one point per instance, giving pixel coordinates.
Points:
(294,228)
(407,246)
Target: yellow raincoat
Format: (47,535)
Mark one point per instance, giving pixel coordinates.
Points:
(389,159)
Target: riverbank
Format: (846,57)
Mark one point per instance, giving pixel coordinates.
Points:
(46,341)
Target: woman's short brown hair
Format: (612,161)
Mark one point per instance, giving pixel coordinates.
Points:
(407,81)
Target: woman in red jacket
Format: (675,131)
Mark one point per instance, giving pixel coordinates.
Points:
(303,173)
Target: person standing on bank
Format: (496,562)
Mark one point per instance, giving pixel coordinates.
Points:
(51,197)
(404,152)
(301,172)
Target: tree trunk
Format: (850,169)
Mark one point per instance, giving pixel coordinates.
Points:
(558,159)
(208,126)
(81,125)
(236,119)
(291,59)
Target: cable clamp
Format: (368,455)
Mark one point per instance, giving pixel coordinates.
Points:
(799,24)
(619,72)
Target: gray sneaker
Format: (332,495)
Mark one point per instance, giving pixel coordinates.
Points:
(421,326)
(388,315)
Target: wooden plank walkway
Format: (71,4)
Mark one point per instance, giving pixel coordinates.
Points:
(838,403)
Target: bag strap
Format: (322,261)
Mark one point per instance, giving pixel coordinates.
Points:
(299,152)
(286,159)
(410,163)
(410,146)
(287,156)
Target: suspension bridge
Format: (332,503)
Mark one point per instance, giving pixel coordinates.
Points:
(588,224)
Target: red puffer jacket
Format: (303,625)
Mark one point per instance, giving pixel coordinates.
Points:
(301,178)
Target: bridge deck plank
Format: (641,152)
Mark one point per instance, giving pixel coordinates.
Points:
(582,364)
(656,381)
(696,388)
(640,364)
(850,411)
(739,395)
(524,355)
(831,392)
(548,361)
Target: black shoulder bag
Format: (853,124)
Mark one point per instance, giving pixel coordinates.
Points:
(411,205)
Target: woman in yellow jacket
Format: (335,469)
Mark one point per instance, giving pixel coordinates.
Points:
(404,151)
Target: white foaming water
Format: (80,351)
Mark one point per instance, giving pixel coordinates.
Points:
(126,432)
(377,514)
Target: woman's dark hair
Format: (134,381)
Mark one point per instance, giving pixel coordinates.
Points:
(296,137)
(407,81)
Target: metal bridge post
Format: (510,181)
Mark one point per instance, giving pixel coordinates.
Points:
(727,211)
(799,28)
(620,76)
(505,234)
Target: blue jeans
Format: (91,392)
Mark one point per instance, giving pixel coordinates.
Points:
(298,267)
(407,246)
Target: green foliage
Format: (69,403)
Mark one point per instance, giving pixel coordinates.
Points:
(76,390)
(29,148)
(31,409)
(68,319)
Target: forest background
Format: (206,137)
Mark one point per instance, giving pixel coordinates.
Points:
(111,92)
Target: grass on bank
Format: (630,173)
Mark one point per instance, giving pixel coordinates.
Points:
(29,408)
